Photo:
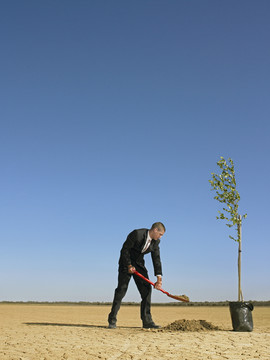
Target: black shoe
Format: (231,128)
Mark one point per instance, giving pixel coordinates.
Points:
(151,325)
(112,325)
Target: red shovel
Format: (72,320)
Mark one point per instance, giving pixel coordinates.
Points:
(176,297)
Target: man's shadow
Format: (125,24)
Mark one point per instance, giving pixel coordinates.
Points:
(77,325)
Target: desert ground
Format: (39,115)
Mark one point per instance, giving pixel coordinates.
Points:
(52,332)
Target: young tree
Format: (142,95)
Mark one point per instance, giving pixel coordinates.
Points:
(226,193)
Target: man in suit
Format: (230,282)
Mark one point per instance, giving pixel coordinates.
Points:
(138,243)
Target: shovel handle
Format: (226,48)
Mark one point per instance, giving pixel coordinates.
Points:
(149,281)
(143,277)
(176,297)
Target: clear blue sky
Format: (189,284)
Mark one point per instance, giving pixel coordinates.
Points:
(113,115)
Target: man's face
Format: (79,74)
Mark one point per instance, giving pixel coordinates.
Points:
(157,234)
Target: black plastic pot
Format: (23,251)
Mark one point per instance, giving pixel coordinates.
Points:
(241,314)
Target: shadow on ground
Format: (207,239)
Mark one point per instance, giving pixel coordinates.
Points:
(78,325)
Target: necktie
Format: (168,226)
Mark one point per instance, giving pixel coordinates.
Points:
(146,246)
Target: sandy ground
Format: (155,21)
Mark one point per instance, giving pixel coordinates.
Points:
(46,332)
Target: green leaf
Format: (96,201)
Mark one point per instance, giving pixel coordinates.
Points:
(233,238)
(225,186)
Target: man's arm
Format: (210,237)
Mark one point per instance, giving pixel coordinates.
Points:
(155,254)
(125,251)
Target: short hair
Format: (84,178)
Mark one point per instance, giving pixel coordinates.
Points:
(159,226)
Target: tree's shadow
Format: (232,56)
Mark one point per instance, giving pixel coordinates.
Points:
(77,325)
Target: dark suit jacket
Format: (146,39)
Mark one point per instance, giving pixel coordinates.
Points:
(131,252)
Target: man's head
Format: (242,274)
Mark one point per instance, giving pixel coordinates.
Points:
(157,231)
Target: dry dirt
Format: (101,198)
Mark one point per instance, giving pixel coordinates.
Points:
(52,332)
(190,325)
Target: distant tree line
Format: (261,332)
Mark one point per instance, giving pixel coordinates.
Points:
(85,303)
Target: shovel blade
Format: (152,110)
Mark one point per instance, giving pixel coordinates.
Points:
(183,298)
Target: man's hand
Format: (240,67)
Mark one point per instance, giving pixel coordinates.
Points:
(158,284)
(131,269)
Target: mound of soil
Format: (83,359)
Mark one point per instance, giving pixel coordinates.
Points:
(190,325)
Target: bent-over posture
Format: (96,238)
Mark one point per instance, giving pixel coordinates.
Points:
(138,243)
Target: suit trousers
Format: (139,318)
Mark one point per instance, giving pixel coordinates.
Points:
(145,291)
